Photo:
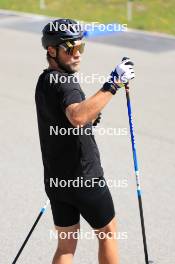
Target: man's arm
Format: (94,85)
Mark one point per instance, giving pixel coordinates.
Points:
(82,113)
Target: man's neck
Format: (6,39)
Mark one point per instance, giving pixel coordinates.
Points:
(53,65)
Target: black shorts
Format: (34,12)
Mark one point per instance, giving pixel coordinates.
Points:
(94,204)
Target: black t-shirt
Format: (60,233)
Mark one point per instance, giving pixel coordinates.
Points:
(65,153)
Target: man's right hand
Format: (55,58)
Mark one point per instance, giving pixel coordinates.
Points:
(123,72)
(120,76)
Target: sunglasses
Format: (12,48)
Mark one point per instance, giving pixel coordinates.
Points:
(72,49)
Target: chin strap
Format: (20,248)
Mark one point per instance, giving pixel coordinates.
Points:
(54,58)
(57,61)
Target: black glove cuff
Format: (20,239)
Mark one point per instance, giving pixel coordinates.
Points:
(110,87)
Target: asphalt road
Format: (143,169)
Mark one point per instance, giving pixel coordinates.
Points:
(152,94)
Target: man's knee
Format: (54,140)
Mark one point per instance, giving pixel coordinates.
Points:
(67,246)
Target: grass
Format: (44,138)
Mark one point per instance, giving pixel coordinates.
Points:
(152,15)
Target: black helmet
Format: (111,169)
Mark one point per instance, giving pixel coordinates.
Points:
(61,30)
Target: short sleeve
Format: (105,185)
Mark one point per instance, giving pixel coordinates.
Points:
(69,92)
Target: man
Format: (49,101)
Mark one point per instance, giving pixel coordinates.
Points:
(63,105)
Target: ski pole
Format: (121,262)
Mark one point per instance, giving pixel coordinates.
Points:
(43,209)
(137,174)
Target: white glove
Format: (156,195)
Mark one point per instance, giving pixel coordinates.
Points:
(124,71)
(122,74)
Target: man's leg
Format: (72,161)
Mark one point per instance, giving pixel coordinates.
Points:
(97,208)
(108,248)
(66,244)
